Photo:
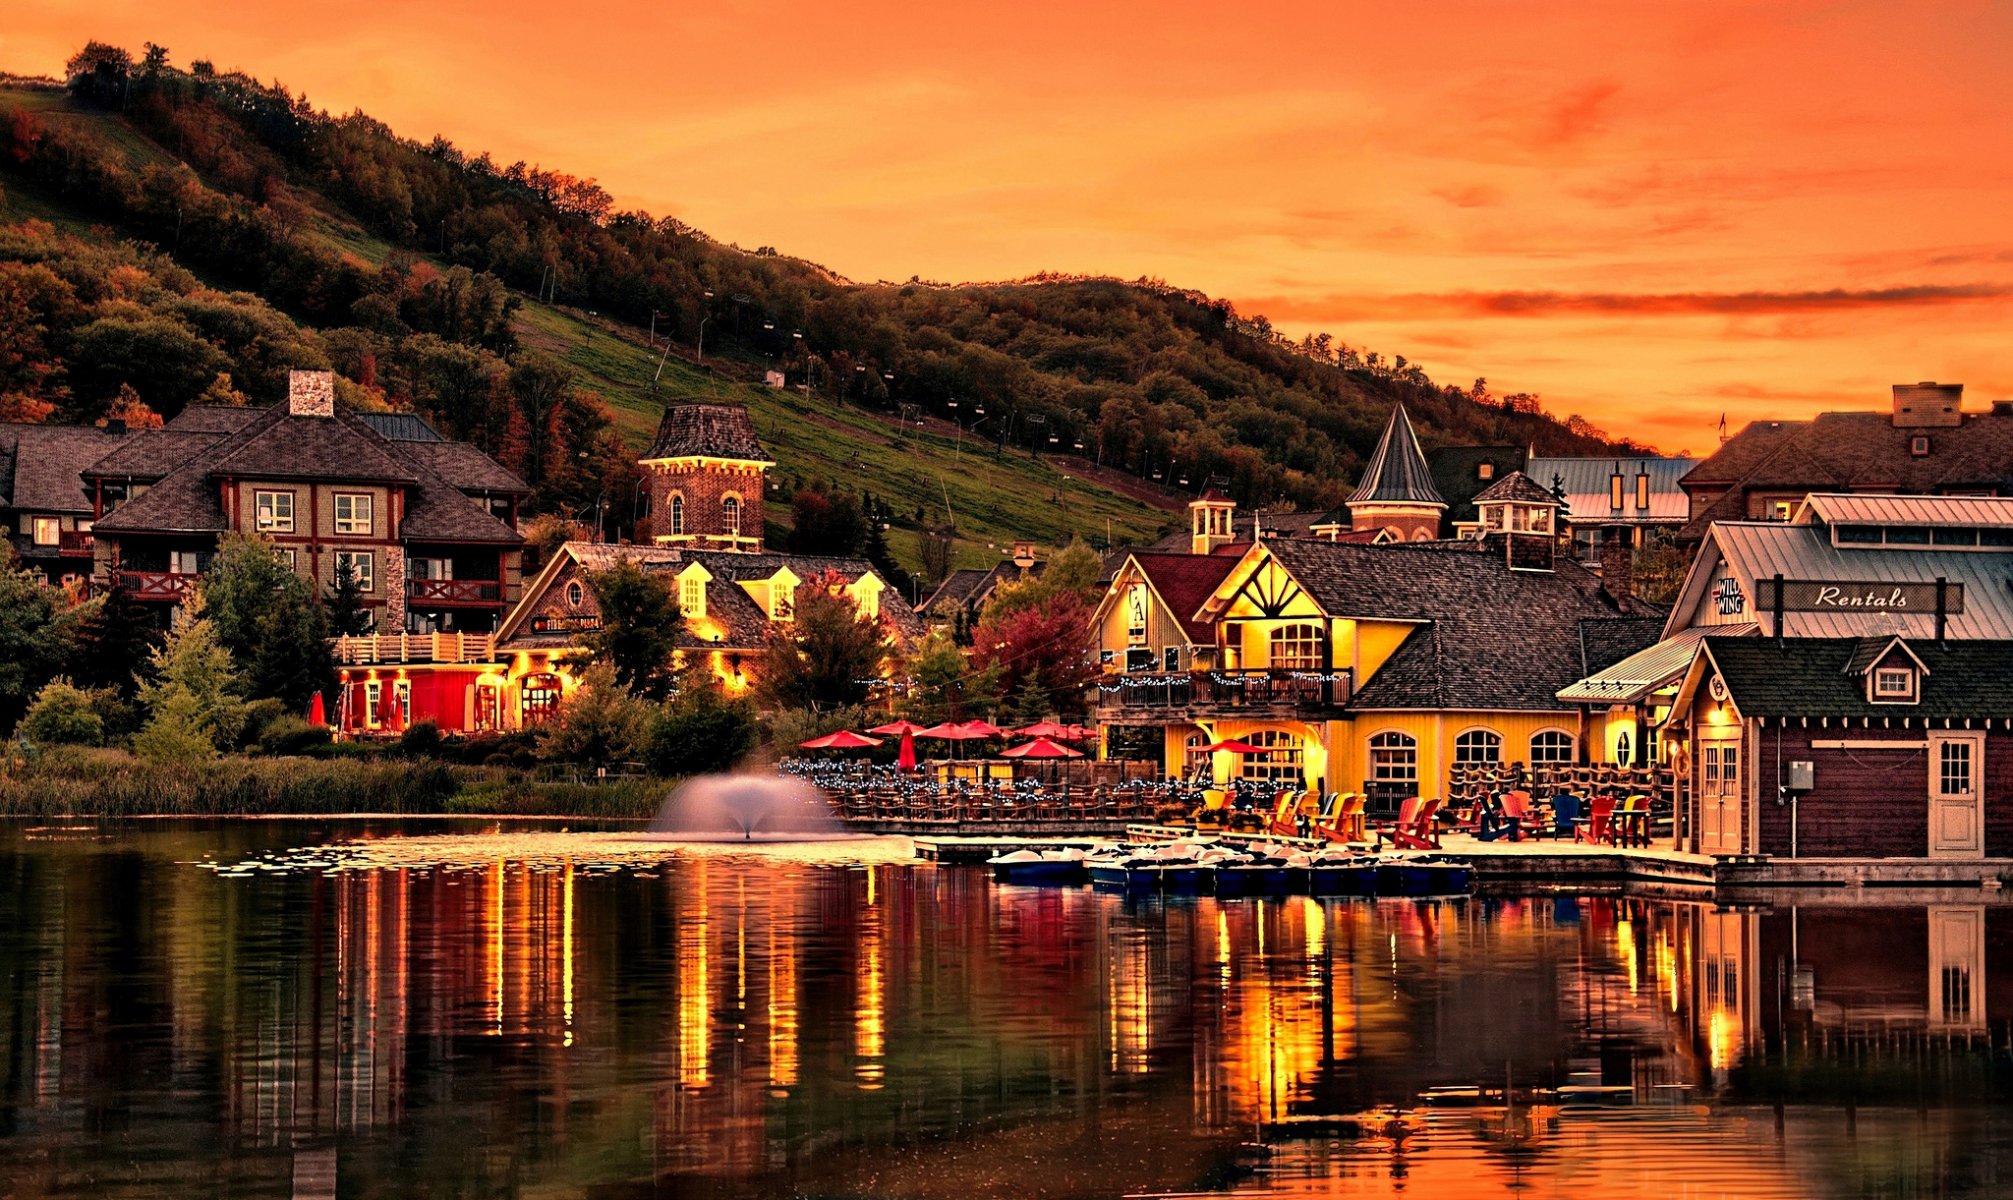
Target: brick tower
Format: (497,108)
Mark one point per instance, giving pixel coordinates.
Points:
(706,472)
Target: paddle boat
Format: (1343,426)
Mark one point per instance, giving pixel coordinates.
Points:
(1040,867)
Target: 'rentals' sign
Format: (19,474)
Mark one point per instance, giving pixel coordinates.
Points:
(1826,595)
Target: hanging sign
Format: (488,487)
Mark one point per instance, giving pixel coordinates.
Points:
(1826,595)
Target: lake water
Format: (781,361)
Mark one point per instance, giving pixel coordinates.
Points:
(277,1008)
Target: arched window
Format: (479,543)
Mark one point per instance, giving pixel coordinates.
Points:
(1394,760)
(1195,761)
(1278,758)
(1477,746)
(1551,747)
(1296,647)
(730,515)
(575,594)
(677,514)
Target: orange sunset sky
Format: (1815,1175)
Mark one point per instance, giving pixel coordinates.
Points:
(1651,213)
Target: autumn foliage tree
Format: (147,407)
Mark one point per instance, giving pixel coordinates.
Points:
(828,653)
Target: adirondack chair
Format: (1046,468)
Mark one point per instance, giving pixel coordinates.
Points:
(1630,825)
(1285,819)
(1599,825)
(1508,820)
(1343,820)
(1416,827)
(1566,808)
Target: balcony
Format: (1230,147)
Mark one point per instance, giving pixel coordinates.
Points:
(171,586)
(374,649)
(448,593)
(76,543)
(1202,694)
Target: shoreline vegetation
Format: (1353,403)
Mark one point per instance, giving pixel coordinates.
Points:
(96,783)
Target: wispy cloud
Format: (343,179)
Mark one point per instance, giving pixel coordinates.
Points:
(1579,304)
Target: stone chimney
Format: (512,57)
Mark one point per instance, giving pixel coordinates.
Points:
(1618,567)
(311,393)
(1928,405)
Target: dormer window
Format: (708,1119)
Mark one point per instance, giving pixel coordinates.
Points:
(1919,445)
(1893,683)
(1893,674)
(1485,471)
(692,596)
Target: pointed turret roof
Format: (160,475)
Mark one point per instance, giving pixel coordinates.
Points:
(1397,473)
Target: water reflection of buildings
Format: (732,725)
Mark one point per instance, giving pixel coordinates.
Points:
(742,1020)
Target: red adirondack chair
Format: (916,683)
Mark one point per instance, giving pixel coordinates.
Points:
(1599,827)
(1345,822)
(1417,827)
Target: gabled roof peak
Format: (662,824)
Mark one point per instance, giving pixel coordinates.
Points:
(1397,472)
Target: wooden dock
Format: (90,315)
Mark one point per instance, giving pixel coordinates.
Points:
(1552,866)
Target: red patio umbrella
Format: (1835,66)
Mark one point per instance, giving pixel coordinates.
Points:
(1041,747)
(844,739)
(389,715)
(1076,733)
(1043,729)
(901,728)
(952,731)
(317,715)
(905,758)
(984,729)
(1232,746)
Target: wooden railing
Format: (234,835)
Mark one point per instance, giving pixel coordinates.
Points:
(157,585)
(454,591)
(1243,690)
(76,543)
(414,648)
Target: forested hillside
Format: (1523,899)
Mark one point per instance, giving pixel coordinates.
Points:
(206,232)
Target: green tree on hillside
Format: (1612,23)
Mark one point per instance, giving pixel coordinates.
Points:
(38,636)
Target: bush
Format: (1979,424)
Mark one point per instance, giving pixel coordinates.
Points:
(290,735)
(421,740)
(699,732)
(599,723)
(63,715)
(260,715)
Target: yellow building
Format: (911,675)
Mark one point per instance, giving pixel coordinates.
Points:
(1371,668)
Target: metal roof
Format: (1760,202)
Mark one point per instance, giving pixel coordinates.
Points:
(1760,550)
(1648,669)
(401,427)
(1586,482)
(1974,512)
(1397,473)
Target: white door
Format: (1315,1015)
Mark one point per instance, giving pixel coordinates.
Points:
(1956,795)
(1719,793)
(1957,968)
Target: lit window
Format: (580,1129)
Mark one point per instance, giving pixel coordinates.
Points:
(1278,758)
(1615,490)
(1551,747)
(730,515)
(275,512)
(48,531)
(1394,760)
(1486,470)
(1478,746)
(1642,489)
(677,514)
(362,565)
(692,596)
(352,513)
(1296,648)
(1893,681)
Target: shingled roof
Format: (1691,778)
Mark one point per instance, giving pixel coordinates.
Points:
(706,430)
(41,466)
(1847,451)
(1185,582)
(1489,638)
(1808,677)
(466,467)
(278,444)
(1397,473)
(1516,488)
